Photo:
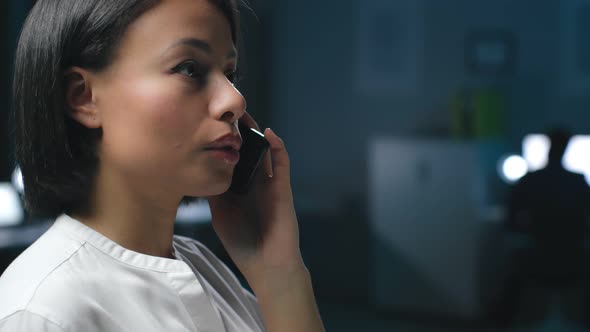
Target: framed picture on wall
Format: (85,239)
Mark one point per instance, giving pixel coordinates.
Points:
(390,47)
(575,63)
(490,52)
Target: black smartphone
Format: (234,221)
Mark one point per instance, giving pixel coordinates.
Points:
(254,147)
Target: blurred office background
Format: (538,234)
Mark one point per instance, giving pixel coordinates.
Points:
(406,123)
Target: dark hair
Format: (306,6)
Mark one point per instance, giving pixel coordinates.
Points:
(57,155)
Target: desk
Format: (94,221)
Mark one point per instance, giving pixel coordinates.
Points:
(22,236)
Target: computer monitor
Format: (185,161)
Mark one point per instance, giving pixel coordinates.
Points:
(535,150)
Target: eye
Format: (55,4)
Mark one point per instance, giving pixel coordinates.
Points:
(193,70)
(186,68)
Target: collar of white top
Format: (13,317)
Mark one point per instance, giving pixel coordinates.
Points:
(89,236)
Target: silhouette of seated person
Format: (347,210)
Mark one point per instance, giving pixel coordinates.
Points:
(550,207)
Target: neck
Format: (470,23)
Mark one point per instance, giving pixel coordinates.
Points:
(132,216)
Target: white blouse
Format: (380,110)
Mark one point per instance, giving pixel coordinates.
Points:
(75,279)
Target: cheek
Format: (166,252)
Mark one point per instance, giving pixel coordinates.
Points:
(153,118)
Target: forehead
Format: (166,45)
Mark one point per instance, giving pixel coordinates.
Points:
(172,20)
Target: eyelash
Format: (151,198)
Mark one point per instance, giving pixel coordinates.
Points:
(233,76)
(200,73)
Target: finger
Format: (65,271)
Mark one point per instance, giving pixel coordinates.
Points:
(268,162)
(265,170)
(267,165)
(249,121)
(279,156)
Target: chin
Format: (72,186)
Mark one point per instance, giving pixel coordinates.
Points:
(209,189)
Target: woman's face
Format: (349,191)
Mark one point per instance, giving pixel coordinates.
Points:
(167,97)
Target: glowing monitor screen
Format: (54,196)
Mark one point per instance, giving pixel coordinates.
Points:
(535,149)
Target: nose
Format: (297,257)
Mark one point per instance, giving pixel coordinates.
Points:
(227,103)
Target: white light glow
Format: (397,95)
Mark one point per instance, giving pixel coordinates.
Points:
(195,212)
(535,149)
(576,157)
(11,212)
(17,180)
(513,168)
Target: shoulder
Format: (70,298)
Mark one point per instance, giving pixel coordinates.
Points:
(532,180)
(42,285)
(31,269)
(25,320)
(583,184)
(533,176)
(581,178)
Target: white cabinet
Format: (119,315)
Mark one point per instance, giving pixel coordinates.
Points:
(426,200)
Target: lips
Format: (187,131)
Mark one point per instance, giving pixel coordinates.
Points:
(229,156)
(229,142)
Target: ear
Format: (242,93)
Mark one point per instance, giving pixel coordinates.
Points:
(80,98)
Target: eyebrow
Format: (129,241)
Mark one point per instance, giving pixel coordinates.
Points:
(201,45)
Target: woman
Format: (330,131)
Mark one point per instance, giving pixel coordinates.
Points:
(124,108)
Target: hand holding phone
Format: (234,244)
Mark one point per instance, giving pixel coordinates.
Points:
(254,147)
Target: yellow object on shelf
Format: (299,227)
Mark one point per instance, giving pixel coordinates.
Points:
(488,115)
(477,114)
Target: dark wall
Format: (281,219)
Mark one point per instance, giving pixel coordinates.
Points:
(4,90)
(12,14)
(255,52)
(327,121)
